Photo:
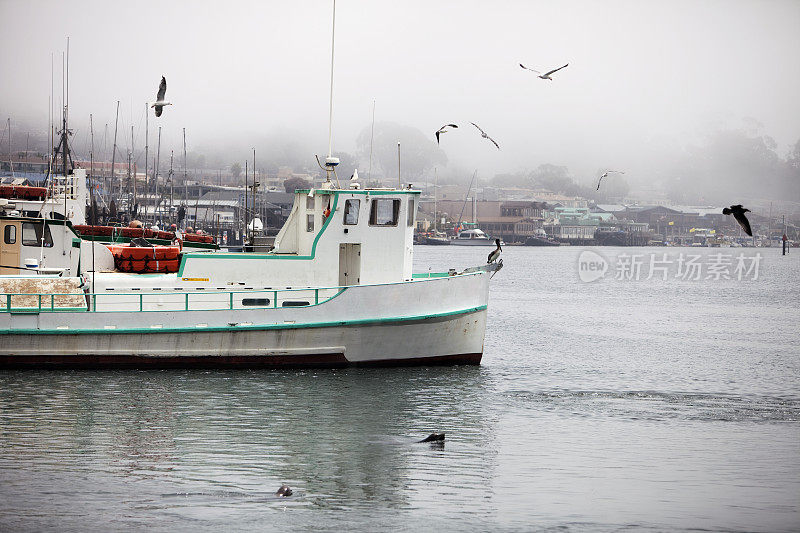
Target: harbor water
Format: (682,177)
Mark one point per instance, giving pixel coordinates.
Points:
(645,399)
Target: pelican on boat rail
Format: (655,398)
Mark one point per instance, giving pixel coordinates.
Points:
(336,290)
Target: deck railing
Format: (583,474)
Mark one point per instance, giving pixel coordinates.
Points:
(165,300)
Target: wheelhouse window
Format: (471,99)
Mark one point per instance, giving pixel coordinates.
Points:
(309,202)
(10,235)
(384,212)
(351,209)
(309,222)
(411,210)
(32,234)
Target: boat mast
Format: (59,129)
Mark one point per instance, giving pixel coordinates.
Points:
(134,174)
(185,186)
(171,186)
(157,164)
(244,219)
(435,182)
(255,187)
(92,204)
(64,123)
(114,153)
(466,197)
(146,162)
(10,159)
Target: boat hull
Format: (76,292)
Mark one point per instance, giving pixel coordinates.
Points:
(434,321)
(455,339)
(472,242)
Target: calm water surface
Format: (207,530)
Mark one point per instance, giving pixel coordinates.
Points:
(618,404)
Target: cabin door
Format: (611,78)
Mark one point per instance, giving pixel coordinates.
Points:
(349,264)
(10,243)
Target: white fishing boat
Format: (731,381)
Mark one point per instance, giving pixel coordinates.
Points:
(338,289)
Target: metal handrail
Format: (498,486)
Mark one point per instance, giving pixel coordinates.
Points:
(91,298)
(146,297)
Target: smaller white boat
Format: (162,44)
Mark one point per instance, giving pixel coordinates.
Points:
(472,237)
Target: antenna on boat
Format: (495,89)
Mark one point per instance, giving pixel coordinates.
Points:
(399,184)
(330,161)
(371,139)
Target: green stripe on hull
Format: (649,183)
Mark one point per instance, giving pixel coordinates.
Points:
(337,323)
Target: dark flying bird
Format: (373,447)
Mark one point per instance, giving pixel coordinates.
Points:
(162,92)
(483,134)
(495,253)
(738,213)
(606,174)
(546,75)
(443,129)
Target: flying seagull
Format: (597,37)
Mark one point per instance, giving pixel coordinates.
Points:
(606,174)
(494,254)
(484,135)
(162,91)
(546,75)
(443,129)
(738,213)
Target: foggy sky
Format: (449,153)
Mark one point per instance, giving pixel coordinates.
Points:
(642,74)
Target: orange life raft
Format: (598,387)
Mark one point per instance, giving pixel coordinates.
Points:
(145,259)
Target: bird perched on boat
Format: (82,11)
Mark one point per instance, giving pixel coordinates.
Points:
(443,129)
(495,253)
(546,75)
(354,176)
(162,92)
(284,491)
(484,135)
(738,213)
(605,174)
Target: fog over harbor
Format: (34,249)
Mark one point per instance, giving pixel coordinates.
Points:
(655,88)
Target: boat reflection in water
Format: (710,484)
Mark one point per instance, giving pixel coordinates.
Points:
(208,442)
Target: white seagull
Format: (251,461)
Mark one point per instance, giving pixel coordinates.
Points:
(443,129)
(484,135)
(546,75)
(606,174)
(160,102)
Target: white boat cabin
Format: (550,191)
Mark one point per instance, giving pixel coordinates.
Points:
(331,238)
